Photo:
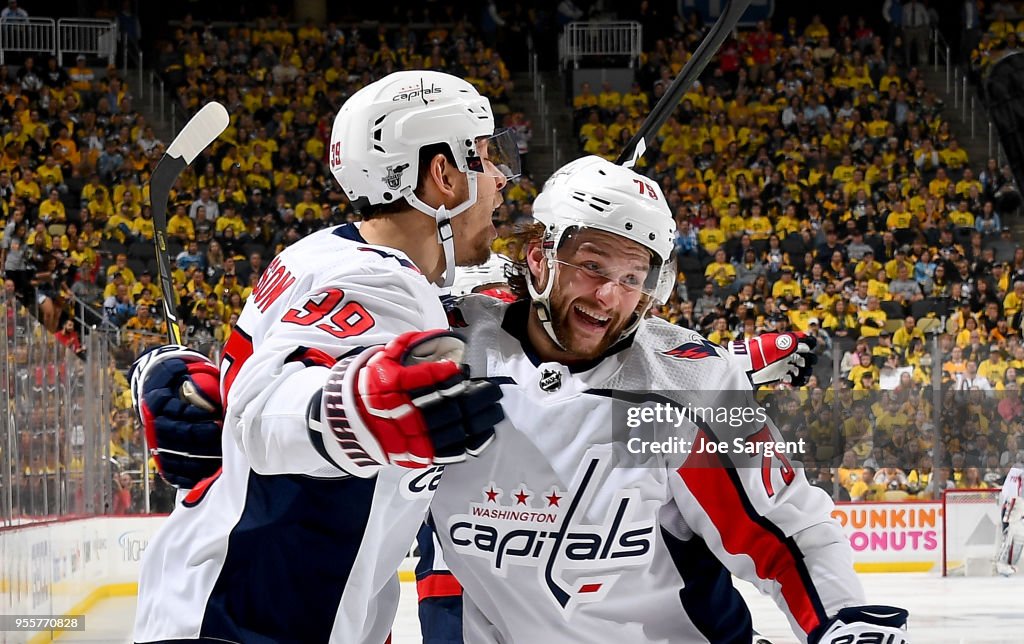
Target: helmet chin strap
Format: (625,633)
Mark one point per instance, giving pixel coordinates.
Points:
(541,300)
(445,233)
(446,237)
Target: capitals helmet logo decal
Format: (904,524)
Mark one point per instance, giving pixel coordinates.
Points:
(421,91)
(694,350)
(576,562)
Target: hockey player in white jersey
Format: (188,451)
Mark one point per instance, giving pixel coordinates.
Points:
(1011,511)
(344,390)
(560,532)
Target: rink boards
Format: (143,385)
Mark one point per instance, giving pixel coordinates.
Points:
(64,567)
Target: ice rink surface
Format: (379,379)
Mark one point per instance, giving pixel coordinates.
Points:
(977,610)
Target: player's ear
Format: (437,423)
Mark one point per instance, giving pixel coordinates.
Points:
(440,178)
(537,264)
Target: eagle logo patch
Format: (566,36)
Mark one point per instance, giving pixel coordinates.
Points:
(694,350)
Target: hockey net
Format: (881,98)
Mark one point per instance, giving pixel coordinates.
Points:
(970,521)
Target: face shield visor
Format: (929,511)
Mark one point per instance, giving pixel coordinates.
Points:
(497,156)
(592,257)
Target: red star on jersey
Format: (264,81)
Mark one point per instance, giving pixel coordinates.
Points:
(553,498)
(492,494)
(521,497)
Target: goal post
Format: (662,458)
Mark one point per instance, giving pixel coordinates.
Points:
(970,526)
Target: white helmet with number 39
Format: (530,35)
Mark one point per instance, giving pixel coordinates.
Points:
(378,134)
(594,193)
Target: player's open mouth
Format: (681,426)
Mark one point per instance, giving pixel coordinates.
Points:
(590,319)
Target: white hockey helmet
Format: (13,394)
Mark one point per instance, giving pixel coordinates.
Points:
(592,192)
(469,278)
(379,131)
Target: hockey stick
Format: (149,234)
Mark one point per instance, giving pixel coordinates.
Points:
(200,131)
(708,47)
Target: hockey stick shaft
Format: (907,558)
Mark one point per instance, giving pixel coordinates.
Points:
(708,47)
(200,131)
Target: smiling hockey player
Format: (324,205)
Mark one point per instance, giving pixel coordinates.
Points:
(560,534)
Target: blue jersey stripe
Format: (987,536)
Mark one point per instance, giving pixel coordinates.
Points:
(288,559)
(440,617)
(711,602)
(351,233)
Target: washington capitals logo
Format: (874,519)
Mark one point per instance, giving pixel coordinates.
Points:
(412,92)
(694,350)
(577,561)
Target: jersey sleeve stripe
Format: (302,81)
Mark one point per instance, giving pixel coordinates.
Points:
(438,584)
(198,493)
(311,357)
(237,350)
(717,488)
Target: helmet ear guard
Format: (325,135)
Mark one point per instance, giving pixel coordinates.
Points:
(541,300)
(666,280)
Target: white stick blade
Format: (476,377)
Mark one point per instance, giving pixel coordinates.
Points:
(199,132)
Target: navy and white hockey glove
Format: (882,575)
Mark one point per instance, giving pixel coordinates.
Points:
(176,394)
(865,625)
(777,357)
(408,403)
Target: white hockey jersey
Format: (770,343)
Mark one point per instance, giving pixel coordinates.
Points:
(559,533)
(1013,486)
(281,546)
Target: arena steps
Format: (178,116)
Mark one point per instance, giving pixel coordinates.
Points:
(542,158)
(977,145)
(150,109)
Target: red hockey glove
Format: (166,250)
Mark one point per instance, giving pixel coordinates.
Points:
(176,394)
(408,403)
(777,357)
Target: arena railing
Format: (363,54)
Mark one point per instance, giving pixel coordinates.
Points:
(601,39)
(965,101)
(87,36)
(63,36)
(30,35)
(55,422)
(130,51)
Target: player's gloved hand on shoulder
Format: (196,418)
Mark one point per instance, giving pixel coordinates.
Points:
(409,403)
(865,624)
(176,394)
(777,357)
